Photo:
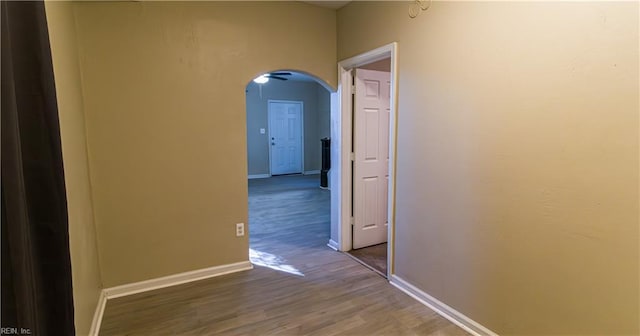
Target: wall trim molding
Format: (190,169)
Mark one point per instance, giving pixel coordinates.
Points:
(97,316)
(175,279)
(334,245)
(258,176)
(441,308)
(157,283)
(311,172)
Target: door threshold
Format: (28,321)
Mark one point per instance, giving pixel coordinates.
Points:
(366,265)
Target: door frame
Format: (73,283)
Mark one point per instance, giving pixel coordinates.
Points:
(344,130)
(301,103)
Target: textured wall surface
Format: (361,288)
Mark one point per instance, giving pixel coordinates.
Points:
(517,158)
(164,86)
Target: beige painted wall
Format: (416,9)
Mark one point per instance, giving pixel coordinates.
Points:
(314,111)
(82,234)
(517,158)
(164,86)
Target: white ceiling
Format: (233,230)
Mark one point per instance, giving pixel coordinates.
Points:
(328,4)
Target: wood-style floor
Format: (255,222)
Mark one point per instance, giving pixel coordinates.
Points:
(304,289)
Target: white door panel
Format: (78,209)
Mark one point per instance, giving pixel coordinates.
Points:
(371,166)
(285,137)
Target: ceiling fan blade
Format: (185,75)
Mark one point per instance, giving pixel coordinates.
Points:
(277,77)
(280,73)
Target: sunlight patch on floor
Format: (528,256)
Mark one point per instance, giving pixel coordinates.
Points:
(272,261)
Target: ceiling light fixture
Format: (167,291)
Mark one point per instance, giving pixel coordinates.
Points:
(261,79)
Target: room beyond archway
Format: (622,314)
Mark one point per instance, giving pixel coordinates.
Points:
(288,131)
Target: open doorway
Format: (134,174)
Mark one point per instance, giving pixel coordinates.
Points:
(288,122)
(371,114)
(351,203)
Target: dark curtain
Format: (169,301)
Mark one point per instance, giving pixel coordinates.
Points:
(36,267)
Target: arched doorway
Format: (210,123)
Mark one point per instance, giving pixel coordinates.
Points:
(288,121)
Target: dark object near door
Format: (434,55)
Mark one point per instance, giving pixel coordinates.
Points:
(326,162)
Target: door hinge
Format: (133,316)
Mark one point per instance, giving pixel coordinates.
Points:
(352,221)
(353,89)
(352,156)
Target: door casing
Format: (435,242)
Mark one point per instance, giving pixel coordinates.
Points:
(341,182)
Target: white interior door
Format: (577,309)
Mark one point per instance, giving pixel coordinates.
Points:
(371,165)
(285,137)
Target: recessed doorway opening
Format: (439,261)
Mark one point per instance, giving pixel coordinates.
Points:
(288,122)
(371,109)
(366,120)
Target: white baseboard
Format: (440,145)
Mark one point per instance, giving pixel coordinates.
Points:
(442,309)
(311,172)
(157,283)
(175,279)
(257,176)
(334,245)
(97,316)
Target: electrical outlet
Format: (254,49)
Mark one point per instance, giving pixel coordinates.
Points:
(239,229)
